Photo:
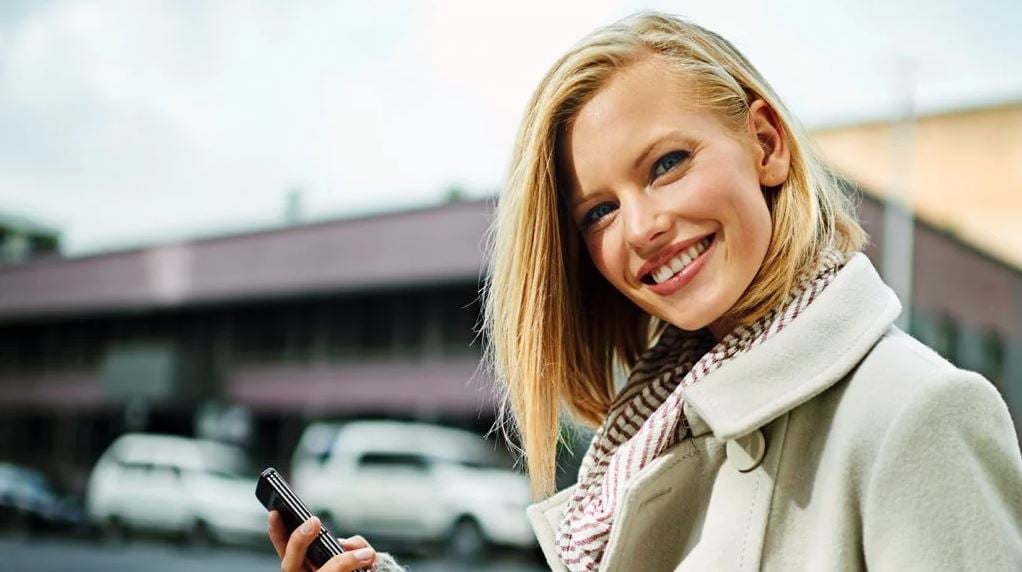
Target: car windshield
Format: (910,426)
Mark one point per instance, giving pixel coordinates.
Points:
(477,457)
(316,443)
(15,475)
(242,474)
(228,462)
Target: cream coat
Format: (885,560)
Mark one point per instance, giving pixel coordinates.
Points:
(879,455)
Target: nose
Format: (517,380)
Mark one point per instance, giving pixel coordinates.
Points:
(646,225)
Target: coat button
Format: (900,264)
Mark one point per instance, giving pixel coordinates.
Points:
(746,452)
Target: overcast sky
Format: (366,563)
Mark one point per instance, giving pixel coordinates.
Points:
(134,121)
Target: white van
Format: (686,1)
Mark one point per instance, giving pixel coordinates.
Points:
(412,482)
(162,483)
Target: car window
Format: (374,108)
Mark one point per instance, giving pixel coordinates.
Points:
(240,471)
(316,444)
(168,470)
(21,476)
(392,461)
(135,466)
(482,464)
(229,463)
(26,484)
(477,457)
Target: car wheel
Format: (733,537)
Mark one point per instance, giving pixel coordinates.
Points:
(467,541)
(199,535)
(113,530)
(21,524)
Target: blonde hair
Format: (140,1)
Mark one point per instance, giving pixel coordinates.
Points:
(554,345)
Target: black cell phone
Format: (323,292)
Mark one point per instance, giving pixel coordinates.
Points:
(275,494)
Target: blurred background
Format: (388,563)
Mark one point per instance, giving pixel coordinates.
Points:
(246,234)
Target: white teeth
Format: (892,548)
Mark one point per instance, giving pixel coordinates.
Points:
(661,274)
(678,263)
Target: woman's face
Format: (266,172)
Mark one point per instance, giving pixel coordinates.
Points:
(669,200)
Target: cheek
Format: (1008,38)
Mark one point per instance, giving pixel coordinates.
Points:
(751,231)
(699,197)
(756,218)
(607,255)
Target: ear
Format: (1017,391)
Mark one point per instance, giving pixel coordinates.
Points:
(772,159)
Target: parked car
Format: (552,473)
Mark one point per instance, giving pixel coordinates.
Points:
(197,489)
(29,503)
(412,482)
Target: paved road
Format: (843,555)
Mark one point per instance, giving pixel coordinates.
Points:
(51,554)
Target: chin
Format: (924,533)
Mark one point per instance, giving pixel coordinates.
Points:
(697,310)
(689,323)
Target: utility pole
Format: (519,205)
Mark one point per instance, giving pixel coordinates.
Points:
(898,217)
(293,207)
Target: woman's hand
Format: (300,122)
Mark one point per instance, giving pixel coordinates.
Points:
(357,552)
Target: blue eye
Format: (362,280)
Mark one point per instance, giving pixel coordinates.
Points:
(596,213)
(668,162)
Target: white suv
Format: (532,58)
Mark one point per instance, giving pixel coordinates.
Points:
(412,482)
(169,484)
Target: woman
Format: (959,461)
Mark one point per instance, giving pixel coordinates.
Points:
(665,216)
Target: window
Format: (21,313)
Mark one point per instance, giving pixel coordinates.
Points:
(939,331)
(393,461)
(992,361)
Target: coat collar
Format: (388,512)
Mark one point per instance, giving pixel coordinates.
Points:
(808,356)
(811,354)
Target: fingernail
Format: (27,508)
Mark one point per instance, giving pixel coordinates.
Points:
(307,526)
(364,554)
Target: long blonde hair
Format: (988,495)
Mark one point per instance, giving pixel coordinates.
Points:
(554,345)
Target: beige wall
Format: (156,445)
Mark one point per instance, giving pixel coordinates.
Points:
(965,175)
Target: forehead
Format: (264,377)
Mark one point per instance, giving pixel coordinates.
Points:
(639,106)
(646,84)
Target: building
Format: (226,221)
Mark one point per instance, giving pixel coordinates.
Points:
(365,317)
(960,170)
(965,303)
(255,334)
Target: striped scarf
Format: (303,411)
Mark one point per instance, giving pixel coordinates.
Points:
(646,418)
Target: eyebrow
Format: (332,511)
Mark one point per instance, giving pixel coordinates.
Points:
(645,154)
(577,198)
(673,134)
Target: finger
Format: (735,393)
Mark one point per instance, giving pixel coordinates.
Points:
(278,533)
(293,559)
(360,559)
(354,542)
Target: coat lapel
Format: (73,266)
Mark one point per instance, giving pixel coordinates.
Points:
(545,517)
(811,354)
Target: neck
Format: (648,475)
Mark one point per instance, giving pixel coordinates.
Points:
(722,327)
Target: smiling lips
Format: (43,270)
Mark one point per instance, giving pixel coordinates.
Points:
(678,262)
